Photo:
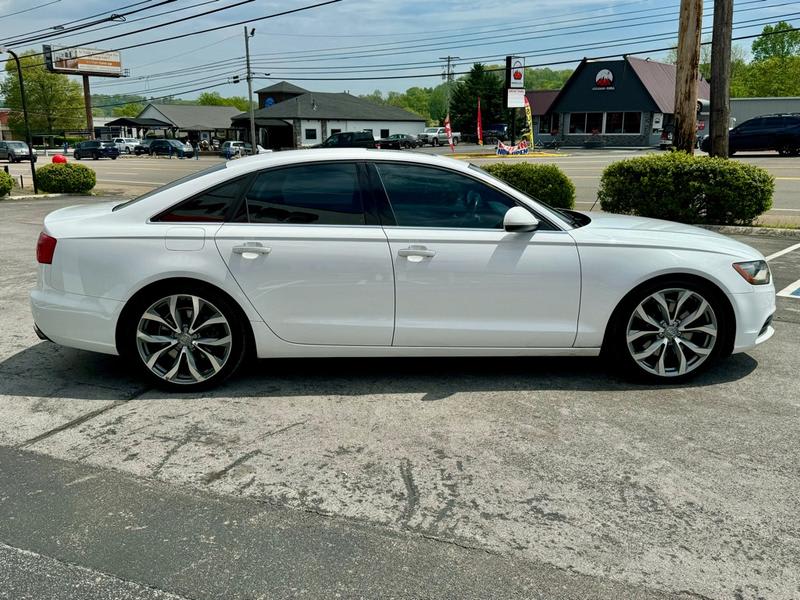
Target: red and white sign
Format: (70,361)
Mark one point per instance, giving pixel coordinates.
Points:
(604,80)
(517,72)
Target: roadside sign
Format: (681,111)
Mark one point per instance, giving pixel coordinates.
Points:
(515,98)
(83,61)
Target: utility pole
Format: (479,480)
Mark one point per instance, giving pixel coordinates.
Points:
(448,75)
(687,75)
(87,102)
(721,77)
(28,137)
(253,140)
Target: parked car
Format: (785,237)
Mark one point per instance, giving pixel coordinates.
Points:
(234,148)
(95,149)
(143,147)
(285,255)
(350,139)
(170,147)
(126,145)
(496,131)
(770,132)
(13,151)
(399,141)
(437,136)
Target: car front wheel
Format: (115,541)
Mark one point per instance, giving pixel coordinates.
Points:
(669,331)
(185,337)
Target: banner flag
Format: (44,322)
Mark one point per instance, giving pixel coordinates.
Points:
(448,130)
(480,124)
(529,116)
(521,148)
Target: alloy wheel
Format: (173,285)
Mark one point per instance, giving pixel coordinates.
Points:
(184,339)
(672,332)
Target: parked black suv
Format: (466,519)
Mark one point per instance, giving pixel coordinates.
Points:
(770,132)
(96,149)
(350,139)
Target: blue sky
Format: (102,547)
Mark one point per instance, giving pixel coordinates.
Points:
(366,38)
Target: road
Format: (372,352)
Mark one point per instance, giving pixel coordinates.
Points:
(434,478)
(131,176)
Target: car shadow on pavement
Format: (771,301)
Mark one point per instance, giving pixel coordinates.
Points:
(47,370)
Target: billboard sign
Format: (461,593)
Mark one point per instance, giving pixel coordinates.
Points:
(83,61)
(515,72)
(515,98)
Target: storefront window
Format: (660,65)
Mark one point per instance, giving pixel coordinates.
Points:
(577,123)
(633,122)
(594,123)
(548,124)
(614,122)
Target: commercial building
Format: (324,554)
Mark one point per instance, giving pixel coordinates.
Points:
(181,120)
(291,117)
(610,103)
(5,132)
(743,109)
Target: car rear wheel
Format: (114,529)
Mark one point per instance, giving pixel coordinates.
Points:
(669,331)
(789,150)
(95,156)
(186,337)
(435,142)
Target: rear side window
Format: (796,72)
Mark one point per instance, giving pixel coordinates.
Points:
(319,194)
(212,206)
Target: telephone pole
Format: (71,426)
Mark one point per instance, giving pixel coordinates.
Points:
(247,37)
(448,75)
(687,75)
(721,76)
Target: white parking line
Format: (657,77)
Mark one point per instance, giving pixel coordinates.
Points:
(782,252)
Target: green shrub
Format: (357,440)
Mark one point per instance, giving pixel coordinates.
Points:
(6,183)
(690,189)
(67,178)
(543,182)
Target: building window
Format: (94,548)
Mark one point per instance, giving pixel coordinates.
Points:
(580,123)
(594,123)
(311,134)
(632,123)
(614,122)
(384,133)
(548,124)
(609,123)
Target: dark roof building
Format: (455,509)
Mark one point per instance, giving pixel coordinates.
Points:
(625,102)
(291,117)
(191,117)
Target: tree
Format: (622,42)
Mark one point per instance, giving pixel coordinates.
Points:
(777,76)
(214,99)
(546,79)
(132,109)
(437,103)
(479,83)
(774,44)
(55,102)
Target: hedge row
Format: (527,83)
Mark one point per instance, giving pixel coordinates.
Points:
(542,182)
(689,189)
(66,178)
(6,183)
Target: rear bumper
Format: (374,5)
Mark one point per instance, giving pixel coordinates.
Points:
(76,321)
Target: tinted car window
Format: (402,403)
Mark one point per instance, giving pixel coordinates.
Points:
(210,206)
(320,194)
(429,197)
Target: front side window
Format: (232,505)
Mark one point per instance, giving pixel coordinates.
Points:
(430,197)
(209,207)
(318,194)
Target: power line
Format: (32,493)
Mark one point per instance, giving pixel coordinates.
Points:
(19,12)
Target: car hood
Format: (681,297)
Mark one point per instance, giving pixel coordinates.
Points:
(625,230)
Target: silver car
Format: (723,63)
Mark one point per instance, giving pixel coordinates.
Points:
(15,152)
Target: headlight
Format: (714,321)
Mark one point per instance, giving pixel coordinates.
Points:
(756,272)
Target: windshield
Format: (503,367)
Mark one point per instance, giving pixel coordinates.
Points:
(573,219)
(172,184)
(17,145)
(431,130)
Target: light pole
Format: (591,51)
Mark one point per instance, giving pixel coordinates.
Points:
(24,114)
(247,37)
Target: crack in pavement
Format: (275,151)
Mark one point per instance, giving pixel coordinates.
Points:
(79,420)
(214,476)
(412,493)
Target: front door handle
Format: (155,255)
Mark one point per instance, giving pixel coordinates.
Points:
(256,248)
(420,251)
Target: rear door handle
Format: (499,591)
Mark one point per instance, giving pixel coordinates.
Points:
(252,248)
(421,251)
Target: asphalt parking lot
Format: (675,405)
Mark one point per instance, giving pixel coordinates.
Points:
(534,478)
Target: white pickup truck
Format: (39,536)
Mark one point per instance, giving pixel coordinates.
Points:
(436,136)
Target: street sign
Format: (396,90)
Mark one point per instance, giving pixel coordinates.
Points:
(515,98)
(83,61)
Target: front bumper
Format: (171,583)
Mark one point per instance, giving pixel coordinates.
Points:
(754,311)
(77,321)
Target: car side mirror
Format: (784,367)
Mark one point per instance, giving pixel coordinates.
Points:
(518,220)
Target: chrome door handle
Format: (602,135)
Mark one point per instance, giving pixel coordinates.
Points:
(421,251)
(251,248)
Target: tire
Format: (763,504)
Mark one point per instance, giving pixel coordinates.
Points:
(644,345)
(127,150)
(95,156)
(177,361)
(76,155)
(788,150)
(435,142)
(113,158)
(455,141)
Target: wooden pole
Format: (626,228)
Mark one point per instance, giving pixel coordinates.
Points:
(688,67)
(87,100)
(721,77)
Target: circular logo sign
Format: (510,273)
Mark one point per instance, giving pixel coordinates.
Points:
(604,79)
(269,101)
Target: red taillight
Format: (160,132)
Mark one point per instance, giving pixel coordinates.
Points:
(45,248)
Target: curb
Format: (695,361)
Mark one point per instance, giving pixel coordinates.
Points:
(504,156)
(762,231)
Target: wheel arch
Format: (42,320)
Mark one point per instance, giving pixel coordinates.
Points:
(687,277)
(147,289)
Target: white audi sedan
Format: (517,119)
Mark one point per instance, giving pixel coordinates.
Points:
(359,253)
